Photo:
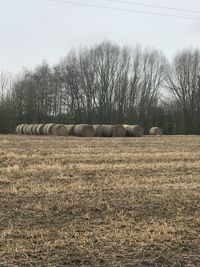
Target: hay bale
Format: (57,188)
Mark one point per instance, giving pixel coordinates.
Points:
(84,130)
(29,128)
(59,130)
(21,131)
(21,128)
(39,129)
(107,130)
(119,131)
(70,129)
(102,130)
(47,129)
(134,130)
(98,130)
(156,131)
(33,129)
(24,129)
(18,129)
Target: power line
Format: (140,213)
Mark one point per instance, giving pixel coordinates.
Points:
(125,10)
(155,6)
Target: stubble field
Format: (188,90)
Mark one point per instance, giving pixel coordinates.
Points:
(99,202)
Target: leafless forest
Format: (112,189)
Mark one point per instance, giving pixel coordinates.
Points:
(107,84)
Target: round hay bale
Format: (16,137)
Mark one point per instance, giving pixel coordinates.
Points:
(70,129)
(24,129)
(18,131)
(59,130)
(134,130)
(47,129)
(39,129)
(21,131)
(119,131)
(98,130)
(29,128)
(33,129)
(84,130)
(107,130)
(156,131)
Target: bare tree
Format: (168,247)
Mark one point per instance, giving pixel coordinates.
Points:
(6,109)
(183,84)
(5,84)
(153,68)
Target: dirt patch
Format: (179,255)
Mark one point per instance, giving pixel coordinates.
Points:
(68,201)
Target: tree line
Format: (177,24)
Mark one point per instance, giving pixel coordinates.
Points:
(107,84)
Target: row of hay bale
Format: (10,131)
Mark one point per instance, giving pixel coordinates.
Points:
(42,129)
(119,130)
(85,130)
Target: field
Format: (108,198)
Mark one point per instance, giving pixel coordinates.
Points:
(99,202)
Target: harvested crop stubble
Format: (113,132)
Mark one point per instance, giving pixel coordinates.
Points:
(39,129)
(84,130)
(70,129)
(156,131)
(134,130)
(47,129)
(59,130)
(100,202)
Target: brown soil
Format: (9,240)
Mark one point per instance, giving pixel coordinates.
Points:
(99,202)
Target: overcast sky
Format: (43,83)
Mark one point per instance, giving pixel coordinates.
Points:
(34,30)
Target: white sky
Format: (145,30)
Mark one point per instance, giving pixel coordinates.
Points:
(34,30)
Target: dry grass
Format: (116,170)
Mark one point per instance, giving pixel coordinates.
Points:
(99,202)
